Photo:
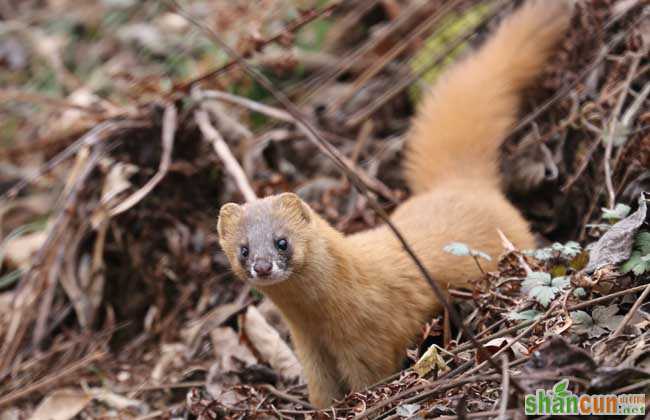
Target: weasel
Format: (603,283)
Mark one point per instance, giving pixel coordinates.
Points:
(355,303)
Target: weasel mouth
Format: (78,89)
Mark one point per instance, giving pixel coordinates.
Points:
(268,277)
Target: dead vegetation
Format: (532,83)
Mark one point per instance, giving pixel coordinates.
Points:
(124,127)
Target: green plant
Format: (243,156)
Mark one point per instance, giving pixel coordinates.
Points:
(542,287)
(463,250)
(639,261)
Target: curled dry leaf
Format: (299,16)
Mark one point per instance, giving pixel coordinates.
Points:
(516,350)
(429,360)
(116,401)
(61,404)
(616,244)
(269,345)
(19,250)
(172,354)
(227,348)
(73,119)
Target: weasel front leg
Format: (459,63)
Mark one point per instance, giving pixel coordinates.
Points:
(319,367)
(365,363)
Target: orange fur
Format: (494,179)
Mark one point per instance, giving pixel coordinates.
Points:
(355,303)
(462,123)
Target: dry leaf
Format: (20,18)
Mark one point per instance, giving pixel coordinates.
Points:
(270,345)
(19,250)
(10,414)
(116,401)
(616,244)
(226,346)
(429,360)
(73,119)
(62,404)
(517,349)
(172,354)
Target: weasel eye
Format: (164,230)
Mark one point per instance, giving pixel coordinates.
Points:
(243,251)
(282,244)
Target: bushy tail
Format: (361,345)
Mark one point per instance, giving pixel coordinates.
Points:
(461,124)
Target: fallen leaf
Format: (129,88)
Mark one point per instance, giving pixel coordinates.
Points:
(172,354)
(517,349)
(227,347)
(429,360)
(270,345)
(408,410)
(19,250)
(62,404)
(616,244)
(116,401)
(606,317)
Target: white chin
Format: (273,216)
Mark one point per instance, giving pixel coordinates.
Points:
(275,278)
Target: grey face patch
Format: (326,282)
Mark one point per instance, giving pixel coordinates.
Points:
(260,235)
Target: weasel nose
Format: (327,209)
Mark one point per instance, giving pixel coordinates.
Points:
(262,267)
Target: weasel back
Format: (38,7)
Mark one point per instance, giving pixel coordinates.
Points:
(462,122)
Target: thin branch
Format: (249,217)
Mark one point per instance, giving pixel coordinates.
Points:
(49,380)
(505,389)
(373,183)
(397,49)
(613,130)
(97,134)
(224,153)
(168,133)
(631,312)
(361,115)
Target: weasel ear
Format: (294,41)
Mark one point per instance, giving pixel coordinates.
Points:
(229,214)
(295,207)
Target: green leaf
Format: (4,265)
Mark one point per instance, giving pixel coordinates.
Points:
(561,282)
(527,315)
(566,251)
(633,264)
(476,253)
(640,268)
(581,318)
(534,279)
(543,294)
(541,254)
(463,250)
(571,249)
(642,242)
(538,286)
(620,211)
(457,248)
(580,292)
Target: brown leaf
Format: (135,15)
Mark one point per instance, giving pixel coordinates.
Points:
(61,404)
(20,249)
(226,347)
(270,345)
(616,244)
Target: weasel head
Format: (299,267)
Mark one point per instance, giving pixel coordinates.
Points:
(266,240)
